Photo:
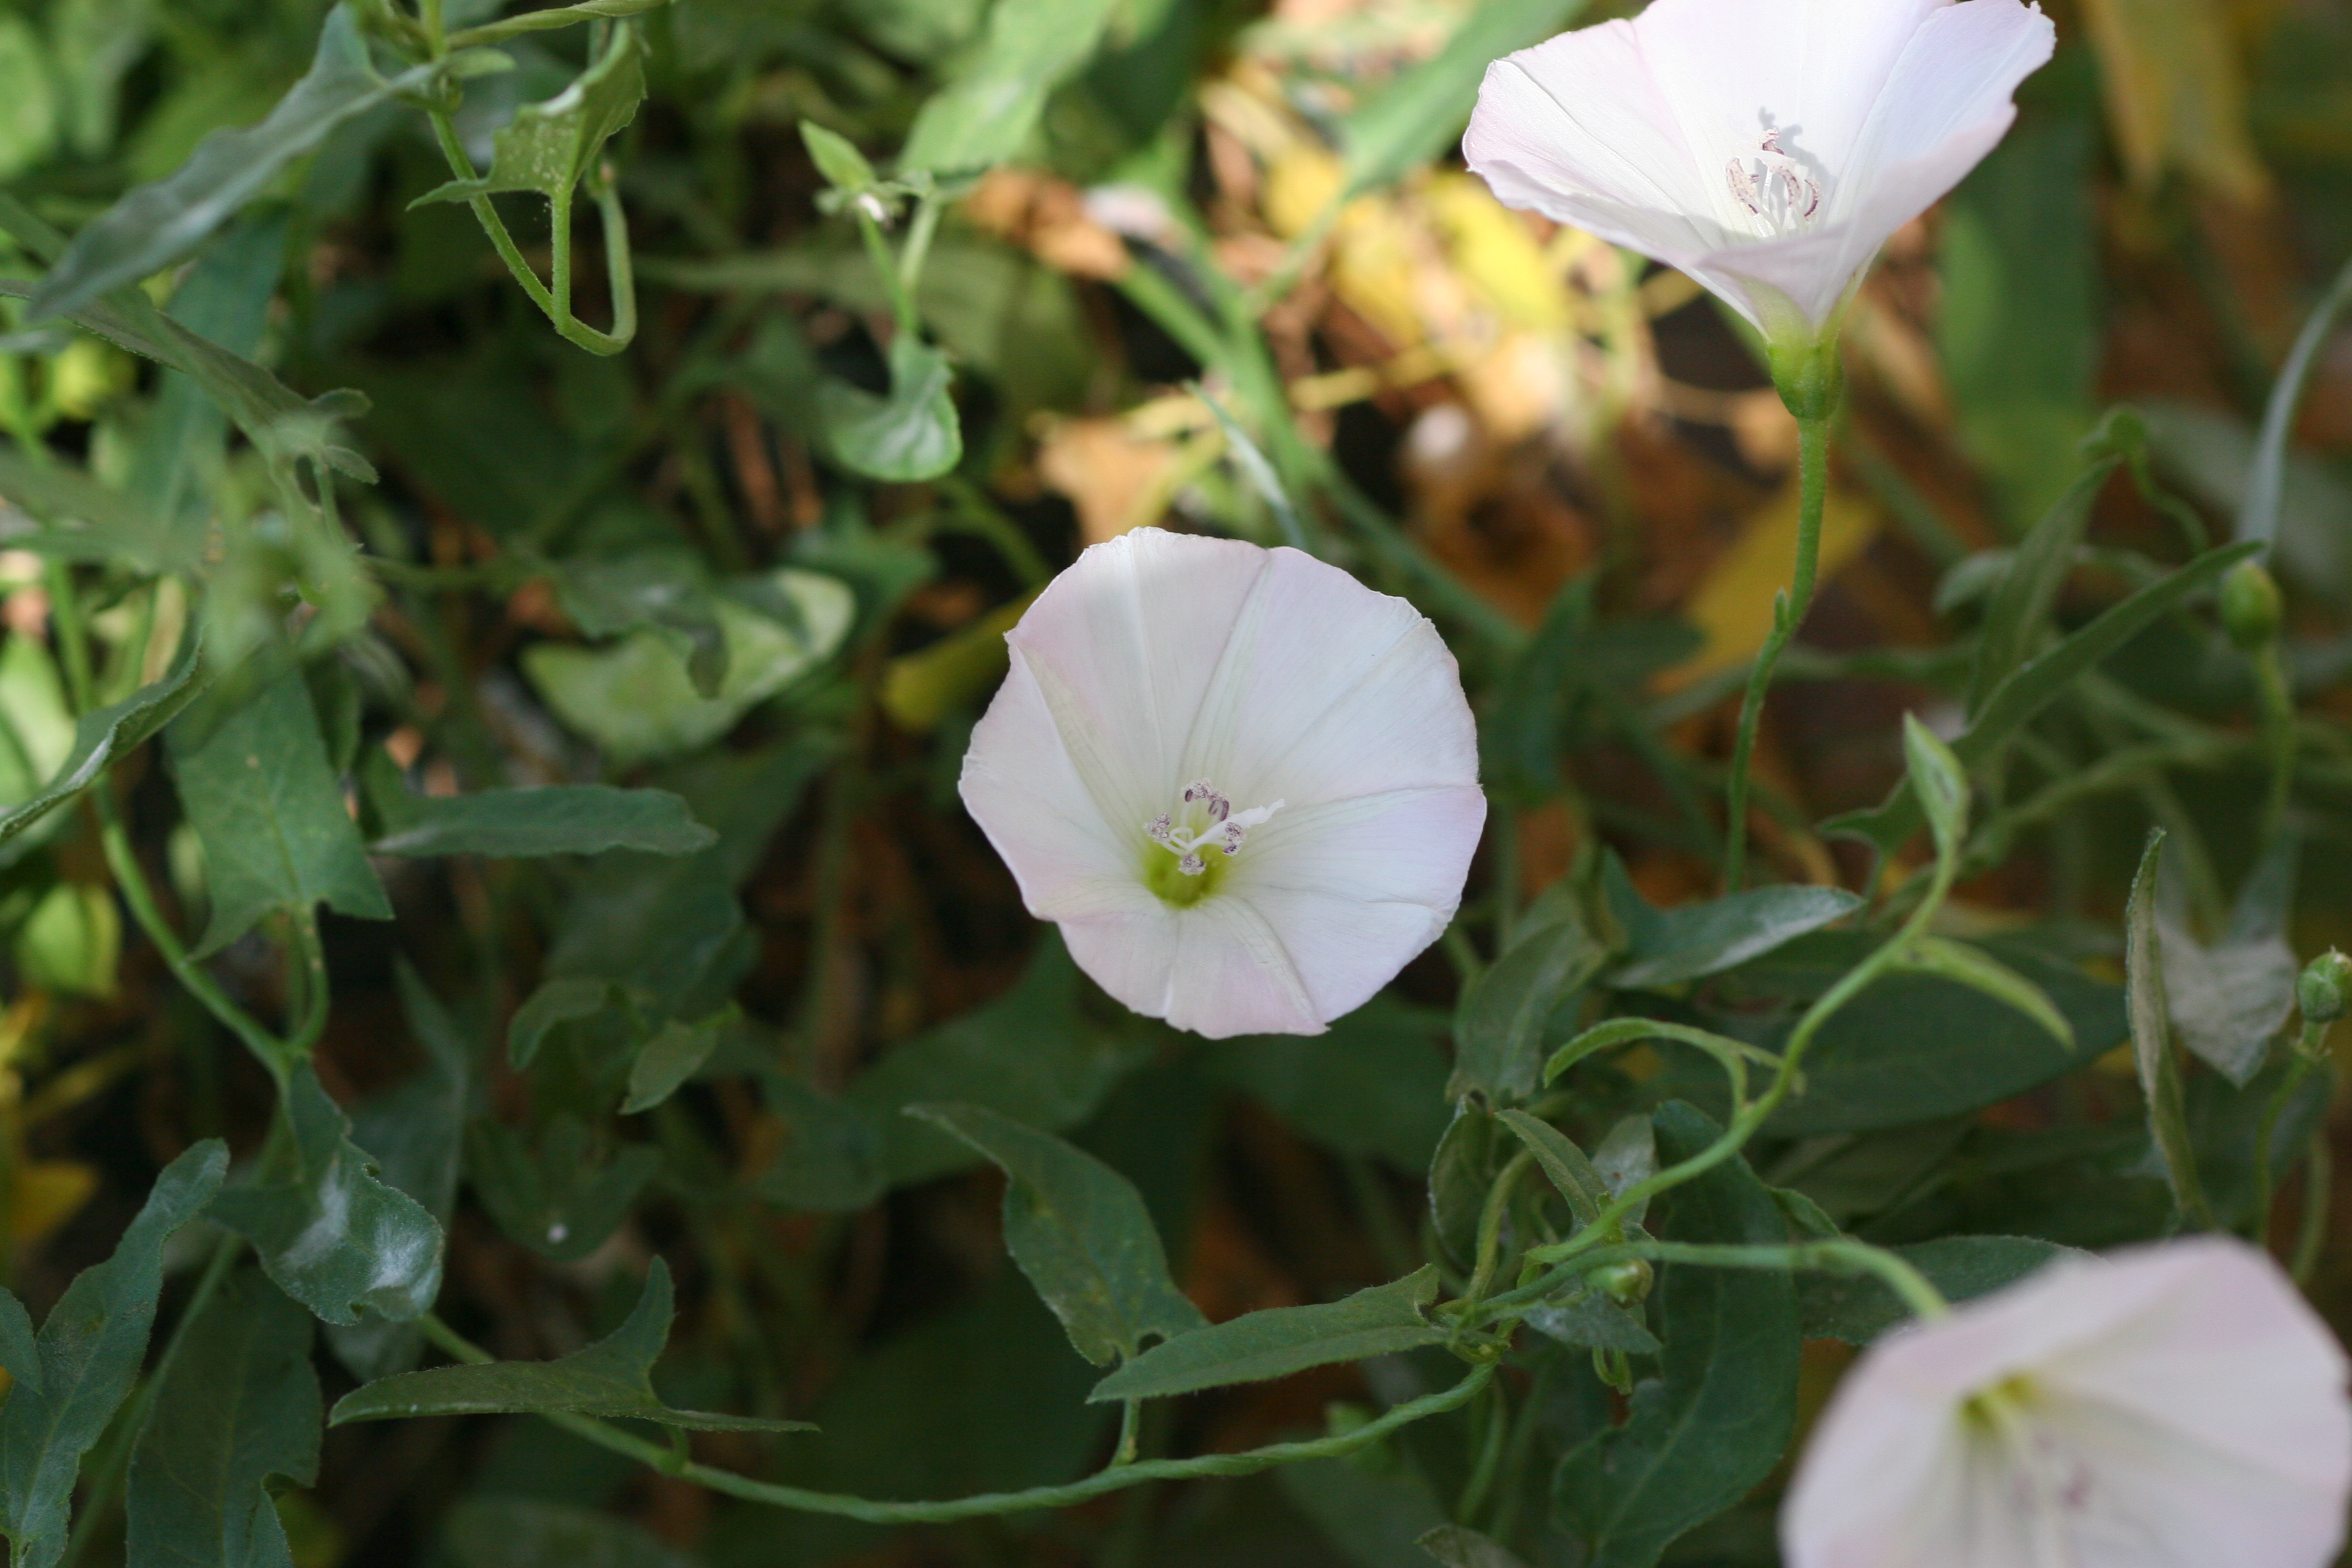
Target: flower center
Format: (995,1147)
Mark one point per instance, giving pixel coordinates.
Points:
(1776,191)
(1201,835)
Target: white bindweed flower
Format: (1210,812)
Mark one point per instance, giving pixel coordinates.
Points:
(1765,147)
(2175,1406)
(1244,785)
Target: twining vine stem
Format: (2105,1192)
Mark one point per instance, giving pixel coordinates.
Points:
(1788,613)
(873,1511)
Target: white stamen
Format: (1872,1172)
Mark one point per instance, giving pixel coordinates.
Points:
(1778,191)
(1206,818)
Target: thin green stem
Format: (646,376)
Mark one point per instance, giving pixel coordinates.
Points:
(138,894)
(1490,1223)
(555,304)
(1838,1255)
(2278,733)
(1788,614)
(1754,1114)
(1131,1424)
(2310,1051)
(2318,1186)
(308,959)
(877,250)
(515,27)
(916,250)
(877,1512)
(1494,1437)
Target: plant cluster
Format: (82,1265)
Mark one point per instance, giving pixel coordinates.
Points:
(1546,902)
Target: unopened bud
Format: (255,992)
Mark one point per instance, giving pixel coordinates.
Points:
(2250,609)
(1626,1283)
(2324,988)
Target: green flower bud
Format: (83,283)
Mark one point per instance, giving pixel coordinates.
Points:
(2250,609)
(1625,1283)
(2324,988)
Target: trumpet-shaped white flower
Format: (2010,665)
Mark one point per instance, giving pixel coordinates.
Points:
(1765,147)
(1244,784)
(2177,1406)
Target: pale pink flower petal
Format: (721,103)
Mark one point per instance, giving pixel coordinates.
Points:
(1766,147)
(2175,1406)
(1299,741)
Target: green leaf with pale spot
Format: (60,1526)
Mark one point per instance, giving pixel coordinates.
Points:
(911,435)
(1081,1233)
(612,1378)
(548,146)
(330,1234)
(984,115)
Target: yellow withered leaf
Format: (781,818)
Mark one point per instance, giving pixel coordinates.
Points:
(2175,93)
(45,1194)
(1491,248)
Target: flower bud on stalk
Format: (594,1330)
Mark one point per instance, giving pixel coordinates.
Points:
(1627,1283)
(2323,988)
(2251,607)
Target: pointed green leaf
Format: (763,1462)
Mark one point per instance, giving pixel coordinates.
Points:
(1413,117)
(2018,617)
(912,434)
(1667,946)
(553,819)
(1982,972)
(2034,684)
(282,423)
(103,736)
(612,1378)
(1256,1346)
(20,1356)
(89,1352)
(157,224)
(1498,1025)
(983,116)
(548,146)
(2152,1048)
(1715,1421)
(1468,1157)
(241,1405)
(552,1197)
(260,794)
(329,1233)
(1562,1162)
(844,168)
(671,1056)
(1940,783)
(1032,1054)
(1081,1233)
(560,1000)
